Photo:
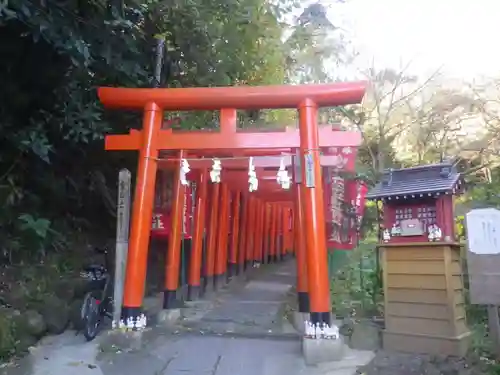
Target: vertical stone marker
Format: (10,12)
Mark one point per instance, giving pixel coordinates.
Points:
(122,231)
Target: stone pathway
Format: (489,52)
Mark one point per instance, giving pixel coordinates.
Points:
(238,331)
(252,308)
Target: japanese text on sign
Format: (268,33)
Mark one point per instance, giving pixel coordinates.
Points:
(337,199)
(309,169)
(483,231)
(157,222)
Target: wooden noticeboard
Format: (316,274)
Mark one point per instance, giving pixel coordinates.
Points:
(483,256)
(483,262)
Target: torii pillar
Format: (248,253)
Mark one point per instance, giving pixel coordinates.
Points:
(314,214)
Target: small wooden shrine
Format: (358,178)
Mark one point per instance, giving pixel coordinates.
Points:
(423,288)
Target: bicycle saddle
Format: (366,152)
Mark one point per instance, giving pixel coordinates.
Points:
(94,268)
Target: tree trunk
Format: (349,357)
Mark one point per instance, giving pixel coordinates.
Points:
(380,164)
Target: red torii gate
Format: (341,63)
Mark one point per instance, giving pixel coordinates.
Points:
(306,98)
(269,191)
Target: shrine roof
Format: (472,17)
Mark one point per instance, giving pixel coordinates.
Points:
(425,179)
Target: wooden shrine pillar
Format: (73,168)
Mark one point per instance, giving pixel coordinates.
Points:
(255,236)
(267,229)
(243,233)
(279,232)
(222,237)
(273,233)
(257,251)
(250,229)
(314,215)
(260,232)
(300,250)
(263,258)
(235,235)
(195,265)
(212,237)
(285,224)
(286,231)
(292,232)
(174,241)
(269,232)
(140,227)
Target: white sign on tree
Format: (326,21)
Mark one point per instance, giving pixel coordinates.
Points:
(483,231)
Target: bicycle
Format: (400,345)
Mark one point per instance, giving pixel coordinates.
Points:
(98,302)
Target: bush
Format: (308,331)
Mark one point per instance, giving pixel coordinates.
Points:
(8,341)
(356,286)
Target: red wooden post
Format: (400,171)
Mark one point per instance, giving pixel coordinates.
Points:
(279,232)
(260,236)
(314,215)
(276,239)
(300,249)
(273,232)
(256,244)
(251,231)
(267,232)
(140,227)
(285,223)
(284,228)
(194,287)
(212,237)
(292,232)
(289,232)
(223,236)
(235,234)
(174,242)
(243,233)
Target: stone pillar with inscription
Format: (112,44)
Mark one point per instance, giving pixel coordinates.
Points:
(122,232)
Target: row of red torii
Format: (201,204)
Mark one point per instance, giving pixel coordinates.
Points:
(243,201)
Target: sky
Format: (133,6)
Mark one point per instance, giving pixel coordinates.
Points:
(461,36)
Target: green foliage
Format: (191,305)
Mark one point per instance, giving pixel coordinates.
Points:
(460,226)
(485,194)
(53,169)
(482,345)
(315,45)
(39,227)
(8,339)
(356,286)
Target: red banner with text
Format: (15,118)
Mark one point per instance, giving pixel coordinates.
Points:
(161,223)
(344,208)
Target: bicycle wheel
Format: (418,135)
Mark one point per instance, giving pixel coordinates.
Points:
(91,315)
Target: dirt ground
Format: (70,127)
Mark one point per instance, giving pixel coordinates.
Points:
(386,363)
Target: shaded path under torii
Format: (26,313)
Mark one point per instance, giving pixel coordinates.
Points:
(253,308)
(238,330)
